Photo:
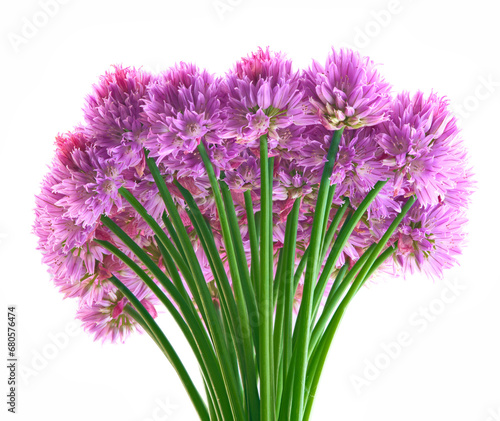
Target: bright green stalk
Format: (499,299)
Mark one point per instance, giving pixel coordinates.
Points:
(332,229)
(173,235)
(266,289)
(250,343)
(228,303)
(280,310)
(254,242)
(341,241)
(306,307)
(278,276)
(132,312)
(211,396)
(335,295)
(257,229)
(246,284)
(248,366)
(227,313)
(319,356)
(279,384)
(192,261)
(164,281)
(300,268)
(381,259)
(286,396)
(174,274)
(284,319)
(200,292)
(167,349)
(192,328)
(329,201)
(227,299)
(212,409)
(330,233)
(338,281)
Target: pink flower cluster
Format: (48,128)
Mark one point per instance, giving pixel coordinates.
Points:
(411,140)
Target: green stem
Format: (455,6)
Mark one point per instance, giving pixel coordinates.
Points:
(167,349)
(284,312)
(214,410)
(226,297)
(194,277)
(319,356)
(132,312)
(254,242)
(329,201)
(341,241)
(266,289)
(326,244)
(381,259)
(173,235)
(338,281)
(246,284)
(239,283)
(306,307)
(335,295)
(191,326)
(332,229)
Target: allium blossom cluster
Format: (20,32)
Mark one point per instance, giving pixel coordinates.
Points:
(411,140)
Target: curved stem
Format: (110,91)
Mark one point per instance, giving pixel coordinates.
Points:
(239,283)
(312,268)
(166,348)
(341,241)
(198,285)
(335,296)
(318,358)
(191,327)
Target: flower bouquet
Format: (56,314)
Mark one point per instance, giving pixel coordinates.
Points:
(252,207)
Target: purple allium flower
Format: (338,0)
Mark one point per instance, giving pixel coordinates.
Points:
(358,165)
(411,141)
(245,177)
(183,108)
(113,114)
(91,187)
(348,91)
(263,97)
(106,319)
(294,180)
(423,148)
(59,234)
(430,238)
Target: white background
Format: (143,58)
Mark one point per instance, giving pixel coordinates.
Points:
(450,369)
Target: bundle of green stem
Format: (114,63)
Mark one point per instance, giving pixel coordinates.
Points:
(258,359)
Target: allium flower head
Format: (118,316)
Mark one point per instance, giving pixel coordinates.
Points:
(263,64)
(106,319)
(423,148)
(358,167)
(347,91)
(430,238)
(183,108)
(113,114)
(245,177)
(358,163)
(263,96)
(91,186)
